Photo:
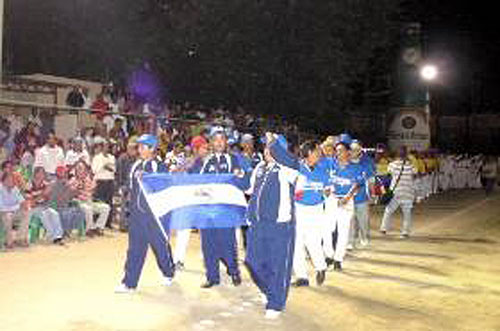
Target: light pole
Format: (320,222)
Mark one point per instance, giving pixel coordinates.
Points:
(429,74)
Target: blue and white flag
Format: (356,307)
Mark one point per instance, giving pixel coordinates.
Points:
(184,201)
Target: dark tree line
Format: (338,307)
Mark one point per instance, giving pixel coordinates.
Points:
(308,59)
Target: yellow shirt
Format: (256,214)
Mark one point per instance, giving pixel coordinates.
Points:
(421,166)
(413,161)
(432,164)
(383,166)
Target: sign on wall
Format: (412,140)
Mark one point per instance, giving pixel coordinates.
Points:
(408,126)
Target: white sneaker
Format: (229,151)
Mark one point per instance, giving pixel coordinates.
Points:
(350,247)
(167,281)
(364,243)
(272,314)
(122,288)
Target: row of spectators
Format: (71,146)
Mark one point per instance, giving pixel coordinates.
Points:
(80,181)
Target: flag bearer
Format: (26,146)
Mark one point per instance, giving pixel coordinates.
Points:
(144,229)
(219,244)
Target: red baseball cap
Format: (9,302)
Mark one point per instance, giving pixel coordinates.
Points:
(60,170)
(198,141)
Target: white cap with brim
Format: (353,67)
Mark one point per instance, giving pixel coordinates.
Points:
(99,140)
(216,130)
(247,138)
(147,139)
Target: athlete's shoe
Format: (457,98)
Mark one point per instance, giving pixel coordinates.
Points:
(179,266)
(209,284)
(272,314)
(301,282)
(364,243)
(122,288)
(167,281)
(320,277)
(236,279)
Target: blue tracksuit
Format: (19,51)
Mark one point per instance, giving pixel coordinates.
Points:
(219,244)
(271,234)
(144,229)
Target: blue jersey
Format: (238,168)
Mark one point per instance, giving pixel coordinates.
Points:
(311,181)
(327,164)
(367,169)
(310,185)
(344,177)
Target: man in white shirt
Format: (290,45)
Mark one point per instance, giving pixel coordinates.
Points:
(104,168)
(77,153)
(50,156)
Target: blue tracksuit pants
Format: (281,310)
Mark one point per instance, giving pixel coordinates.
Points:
(143,232)
(270,248)
(219,244)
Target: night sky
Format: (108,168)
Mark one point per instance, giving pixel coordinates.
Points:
(460,37)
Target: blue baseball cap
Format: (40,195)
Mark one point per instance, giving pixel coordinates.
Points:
(281,140)
(345,138)
(147,139)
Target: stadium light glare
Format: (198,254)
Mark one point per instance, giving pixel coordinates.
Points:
(429,72)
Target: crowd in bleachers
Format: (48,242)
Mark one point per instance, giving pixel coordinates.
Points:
(77,184)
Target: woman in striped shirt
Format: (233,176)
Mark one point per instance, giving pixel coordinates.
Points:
(403,186)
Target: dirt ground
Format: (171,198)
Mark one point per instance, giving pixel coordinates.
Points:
(446,277)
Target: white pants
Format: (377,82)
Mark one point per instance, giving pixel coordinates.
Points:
(434,182)
(461,178)
(406,207)
(360,224)
(427,182)
(329,227)
(309,233)
(181,244)
(420,187)
(91,208)
(343,216)
(444,181)
(51,221)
